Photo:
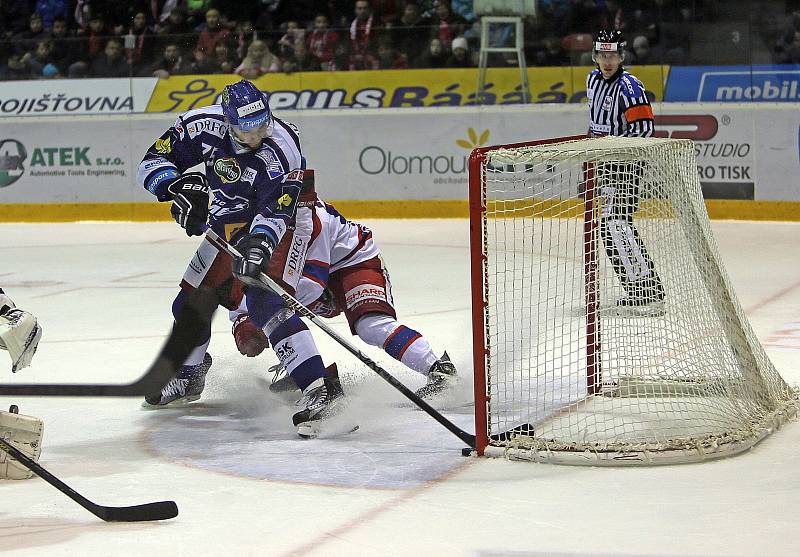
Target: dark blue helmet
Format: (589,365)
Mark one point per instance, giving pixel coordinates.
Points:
(245,106)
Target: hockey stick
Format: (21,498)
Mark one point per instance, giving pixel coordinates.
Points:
(162,510)
(189,326)
(266,282)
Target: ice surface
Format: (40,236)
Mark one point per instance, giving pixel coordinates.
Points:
(397,486)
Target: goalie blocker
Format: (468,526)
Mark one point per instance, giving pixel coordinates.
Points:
(19,333)
(24,433)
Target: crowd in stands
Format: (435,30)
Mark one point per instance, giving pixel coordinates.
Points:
(109,38)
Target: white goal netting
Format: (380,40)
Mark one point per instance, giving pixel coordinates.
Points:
(611,333)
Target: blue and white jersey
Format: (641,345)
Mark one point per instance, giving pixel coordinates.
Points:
(618,105)
(255,190)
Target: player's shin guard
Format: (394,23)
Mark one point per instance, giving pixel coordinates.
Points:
(400,342)
(631,263)
(24,433)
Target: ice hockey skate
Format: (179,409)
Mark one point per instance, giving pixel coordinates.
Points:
(321,400)
(646,300)
(441,375)
(19,334)
(282,382)
(182,389)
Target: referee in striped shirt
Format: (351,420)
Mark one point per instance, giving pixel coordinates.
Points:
(619,106)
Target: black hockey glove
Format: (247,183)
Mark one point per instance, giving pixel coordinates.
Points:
(190,202)
(255,250)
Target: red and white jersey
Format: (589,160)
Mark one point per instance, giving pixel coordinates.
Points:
(322,242)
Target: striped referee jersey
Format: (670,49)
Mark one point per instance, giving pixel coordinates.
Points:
(618,106)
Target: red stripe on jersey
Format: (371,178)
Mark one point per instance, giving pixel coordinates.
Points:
(316,225)
(362,240)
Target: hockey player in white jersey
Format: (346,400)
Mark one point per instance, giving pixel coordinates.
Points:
(618,105)
(19,333)
(332,265)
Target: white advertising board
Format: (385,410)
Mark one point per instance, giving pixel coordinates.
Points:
(743,151)
(46,97)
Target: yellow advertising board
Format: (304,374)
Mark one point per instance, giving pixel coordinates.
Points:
(394,88)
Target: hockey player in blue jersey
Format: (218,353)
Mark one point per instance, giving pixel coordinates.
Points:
(253,174)
(618,105)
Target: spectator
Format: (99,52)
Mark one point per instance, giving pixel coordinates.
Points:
(259,60)
(301,60)
(213,33)
(464,9)
(28,39)
(388,58)
(111,63)
(223,61)
(50,9)
(784,43)
(171,63)
(386,11)
(197,11)
(407,30)
(435,56)
(175,24)
(82,13)
(551,54)
(66,51)
(613,17)
(447,25)
(321,42)
(95,37)
(642,54)
(555,15)
(41,57)
(142,53)
(362,36)
(292,36)
(245,34)
(14,19)
(16,69)
(791,53)
(460,56)
(341,57)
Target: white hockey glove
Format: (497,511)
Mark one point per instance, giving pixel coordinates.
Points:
(19,334)
(190,202)
(25,433)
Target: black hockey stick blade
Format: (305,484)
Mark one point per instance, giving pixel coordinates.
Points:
(267,283)
(186,333)
(162,510)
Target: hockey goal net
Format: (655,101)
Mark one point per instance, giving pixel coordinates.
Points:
(606,330)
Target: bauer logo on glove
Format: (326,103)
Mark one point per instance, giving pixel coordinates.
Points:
(190,202)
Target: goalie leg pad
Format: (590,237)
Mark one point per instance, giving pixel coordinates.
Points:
(25,433)
(626,250)
(19,334)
